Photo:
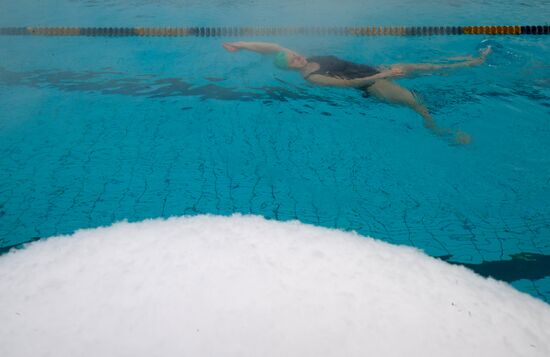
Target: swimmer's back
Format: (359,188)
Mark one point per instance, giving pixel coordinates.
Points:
(332,66)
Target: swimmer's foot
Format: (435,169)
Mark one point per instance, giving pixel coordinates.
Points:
(483,53)
(462,138)
(456,137)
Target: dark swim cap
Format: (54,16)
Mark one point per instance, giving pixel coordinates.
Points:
(281,60)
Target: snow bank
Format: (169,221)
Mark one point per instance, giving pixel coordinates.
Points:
(245,286)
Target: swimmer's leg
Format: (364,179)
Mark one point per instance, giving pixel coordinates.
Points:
(466,62)
(395,94)
(461,58)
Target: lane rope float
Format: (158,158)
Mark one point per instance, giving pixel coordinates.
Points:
(274,31)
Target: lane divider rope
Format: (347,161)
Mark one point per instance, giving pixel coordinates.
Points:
(275,31)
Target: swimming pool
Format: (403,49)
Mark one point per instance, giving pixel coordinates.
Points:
(97,130)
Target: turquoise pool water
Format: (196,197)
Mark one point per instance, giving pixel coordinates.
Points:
(97,130)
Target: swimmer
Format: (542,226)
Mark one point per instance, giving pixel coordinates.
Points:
(374,81)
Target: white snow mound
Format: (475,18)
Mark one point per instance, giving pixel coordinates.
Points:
(246,286)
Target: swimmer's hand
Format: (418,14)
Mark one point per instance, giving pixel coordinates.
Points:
(396,70)
(232,46)
(393,72)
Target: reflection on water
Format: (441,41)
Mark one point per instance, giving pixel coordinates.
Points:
(148,86)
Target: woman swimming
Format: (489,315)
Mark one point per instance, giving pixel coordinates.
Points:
(375,81)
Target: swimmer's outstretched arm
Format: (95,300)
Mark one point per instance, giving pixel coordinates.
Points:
(260,47)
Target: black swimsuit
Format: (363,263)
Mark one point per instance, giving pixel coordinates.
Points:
(334,67)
